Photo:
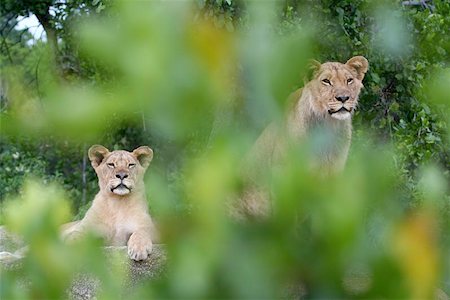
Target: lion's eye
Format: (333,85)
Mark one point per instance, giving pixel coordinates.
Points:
(131,165)
(110,165)
(326,81)
(350,80)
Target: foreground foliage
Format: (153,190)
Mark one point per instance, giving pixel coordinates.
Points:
(198,82)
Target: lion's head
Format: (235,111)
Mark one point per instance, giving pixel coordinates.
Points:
(120,172)
(336,87)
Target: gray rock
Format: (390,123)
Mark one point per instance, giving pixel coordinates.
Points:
(85,287)
(12,249)
(152,267)
(9,242)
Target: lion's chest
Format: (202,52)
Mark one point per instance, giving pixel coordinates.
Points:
(330,144)
(121,225)
(121,233)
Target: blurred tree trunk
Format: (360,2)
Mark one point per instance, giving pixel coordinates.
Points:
(45,18)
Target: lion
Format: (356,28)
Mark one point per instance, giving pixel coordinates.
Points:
(119,212)
(327,104)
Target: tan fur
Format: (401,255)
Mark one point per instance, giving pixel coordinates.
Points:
(119,211)
(314,107)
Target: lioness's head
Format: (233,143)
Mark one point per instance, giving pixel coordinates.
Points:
(336,86)
(120,172)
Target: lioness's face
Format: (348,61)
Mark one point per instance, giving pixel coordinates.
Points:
(339,86)
(120,172)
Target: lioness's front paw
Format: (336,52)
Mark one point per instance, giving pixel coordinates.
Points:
(139,248)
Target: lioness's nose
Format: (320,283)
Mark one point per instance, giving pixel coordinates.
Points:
(121,175)
(342,98)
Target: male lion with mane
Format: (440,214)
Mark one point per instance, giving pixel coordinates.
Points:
(119,211)
(325,104)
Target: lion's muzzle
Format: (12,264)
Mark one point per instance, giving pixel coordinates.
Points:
(120,186)
(342,109)
(342,113)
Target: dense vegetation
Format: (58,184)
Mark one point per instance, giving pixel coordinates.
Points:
(198,81)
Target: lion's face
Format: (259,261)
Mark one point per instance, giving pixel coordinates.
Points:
(338,86)
(120,172)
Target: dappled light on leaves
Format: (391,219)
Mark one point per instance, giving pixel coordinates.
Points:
(416,251)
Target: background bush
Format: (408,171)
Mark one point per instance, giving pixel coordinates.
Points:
(198,81)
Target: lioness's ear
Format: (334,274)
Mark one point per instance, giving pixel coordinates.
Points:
(314,67)
(144,155)
(96,155)
(360,64)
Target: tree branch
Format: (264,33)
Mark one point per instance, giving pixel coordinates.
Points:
(44,19)
(5,44)
(424,3)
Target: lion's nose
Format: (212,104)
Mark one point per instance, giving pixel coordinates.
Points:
(121,175)
(342,98)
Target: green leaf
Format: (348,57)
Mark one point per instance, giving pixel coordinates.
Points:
(375,78)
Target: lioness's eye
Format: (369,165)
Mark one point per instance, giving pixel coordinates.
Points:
(326,81)
(110,165)
(131,165)
(350,80)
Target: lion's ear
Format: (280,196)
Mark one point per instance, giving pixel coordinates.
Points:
(96,155)
(359,64)
(144,155)
(314,64)
(314,67)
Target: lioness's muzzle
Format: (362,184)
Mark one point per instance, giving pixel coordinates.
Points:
(121,185)
(339,110)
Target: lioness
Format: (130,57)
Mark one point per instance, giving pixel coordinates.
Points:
(119,211)
(325,104)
